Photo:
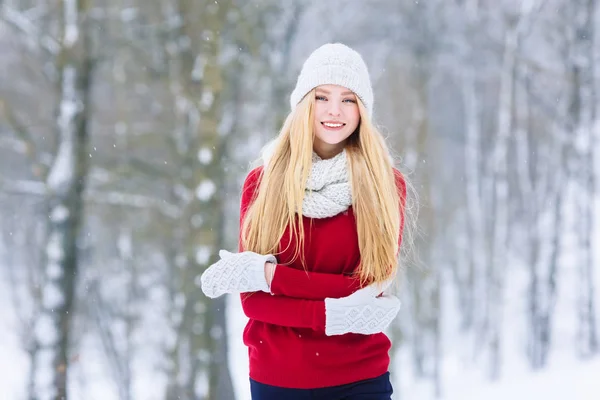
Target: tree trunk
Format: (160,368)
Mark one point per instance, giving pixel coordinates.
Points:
(472,287)
(198,83)
(65,185)
(426,340)
(498,262)
(531,178)
(584,48)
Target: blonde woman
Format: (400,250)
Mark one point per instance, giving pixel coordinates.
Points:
(321,224)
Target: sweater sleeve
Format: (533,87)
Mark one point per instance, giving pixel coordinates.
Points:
(284,311)
(308,285)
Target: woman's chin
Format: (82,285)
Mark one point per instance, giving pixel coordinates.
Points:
(333,138)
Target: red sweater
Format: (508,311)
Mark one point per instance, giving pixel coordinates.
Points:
(285,334)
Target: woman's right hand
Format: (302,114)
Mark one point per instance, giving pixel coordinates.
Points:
(236,273)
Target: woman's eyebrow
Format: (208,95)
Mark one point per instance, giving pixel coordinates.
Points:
(328,92)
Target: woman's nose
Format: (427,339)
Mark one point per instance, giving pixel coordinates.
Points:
(334,109)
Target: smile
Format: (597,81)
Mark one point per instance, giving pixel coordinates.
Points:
(332,125)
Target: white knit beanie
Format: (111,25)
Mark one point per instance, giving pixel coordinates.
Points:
(335,64)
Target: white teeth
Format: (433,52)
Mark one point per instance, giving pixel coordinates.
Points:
(332,125)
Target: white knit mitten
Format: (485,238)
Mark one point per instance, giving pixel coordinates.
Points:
(236,273)
(361,312)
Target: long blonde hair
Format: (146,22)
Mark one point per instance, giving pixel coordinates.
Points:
(375,197)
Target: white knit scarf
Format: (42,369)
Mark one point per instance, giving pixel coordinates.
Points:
(328,191)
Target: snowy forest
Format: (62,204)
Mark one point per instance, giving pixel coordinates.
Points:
(128,126)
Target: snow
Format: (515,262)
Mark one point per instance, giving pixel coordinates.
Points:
(204,156)
(238,353)
(54,249)
(63,169)
(125,245)
(59,214)
(52,297)
(68,105)
(43,377)
(205,190)
(91,375)
(45,330)
(207,99)
(71,21)
(129,14)
(202,255)
(13,363)
(565,379)
(54,270)
(569,380)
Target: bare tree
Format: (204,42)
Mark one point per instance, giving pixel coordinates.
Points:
(583,116)
(65,184)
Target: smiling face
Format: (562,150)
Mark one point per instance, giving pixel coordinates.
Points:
(336,117)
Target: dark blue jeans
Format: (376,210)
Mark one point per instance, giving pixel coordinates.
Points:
(378,388)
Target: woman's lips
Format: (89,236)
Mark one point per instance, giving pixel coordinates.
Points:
(333,126)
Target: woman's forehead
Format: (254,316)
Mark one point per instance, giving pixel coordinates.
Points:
(329,88)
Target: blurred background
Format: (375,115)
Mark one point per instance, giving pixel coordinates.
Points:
(128,126)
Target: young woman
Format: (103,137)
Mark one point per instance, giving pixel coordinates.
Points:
(320,229)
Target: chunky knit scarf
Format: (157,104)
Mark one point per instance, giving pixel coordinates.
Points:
(328,191)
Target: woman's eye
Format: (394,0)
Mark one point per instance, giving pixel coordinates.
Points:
(349,101)
(320,98)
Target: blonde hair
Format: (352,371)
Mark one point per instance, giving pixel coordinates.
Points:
(375,198)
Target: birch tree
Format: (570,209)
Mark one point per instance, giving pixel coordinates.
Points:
(582,113)
(65,185)
(470,277)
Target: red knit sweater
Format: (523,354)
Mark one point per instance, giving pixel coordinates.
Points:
(285,334)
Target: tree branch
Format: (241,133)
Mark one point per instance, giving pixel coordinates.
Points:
(29,31)
(26,187)
(114,198)
(19,128)
(133,200)
(24,143)
(12,144)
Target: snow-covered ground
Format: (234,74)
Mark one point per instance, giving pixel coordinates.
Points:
(13,361)
(569,380)
(13,365)
(565,378)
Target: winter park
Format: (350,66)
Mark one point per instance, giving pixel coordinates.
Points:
(261,199)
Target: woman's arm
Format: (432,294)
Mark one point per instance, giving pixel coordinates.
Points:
(292,282)
(284,311)
(363,312)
